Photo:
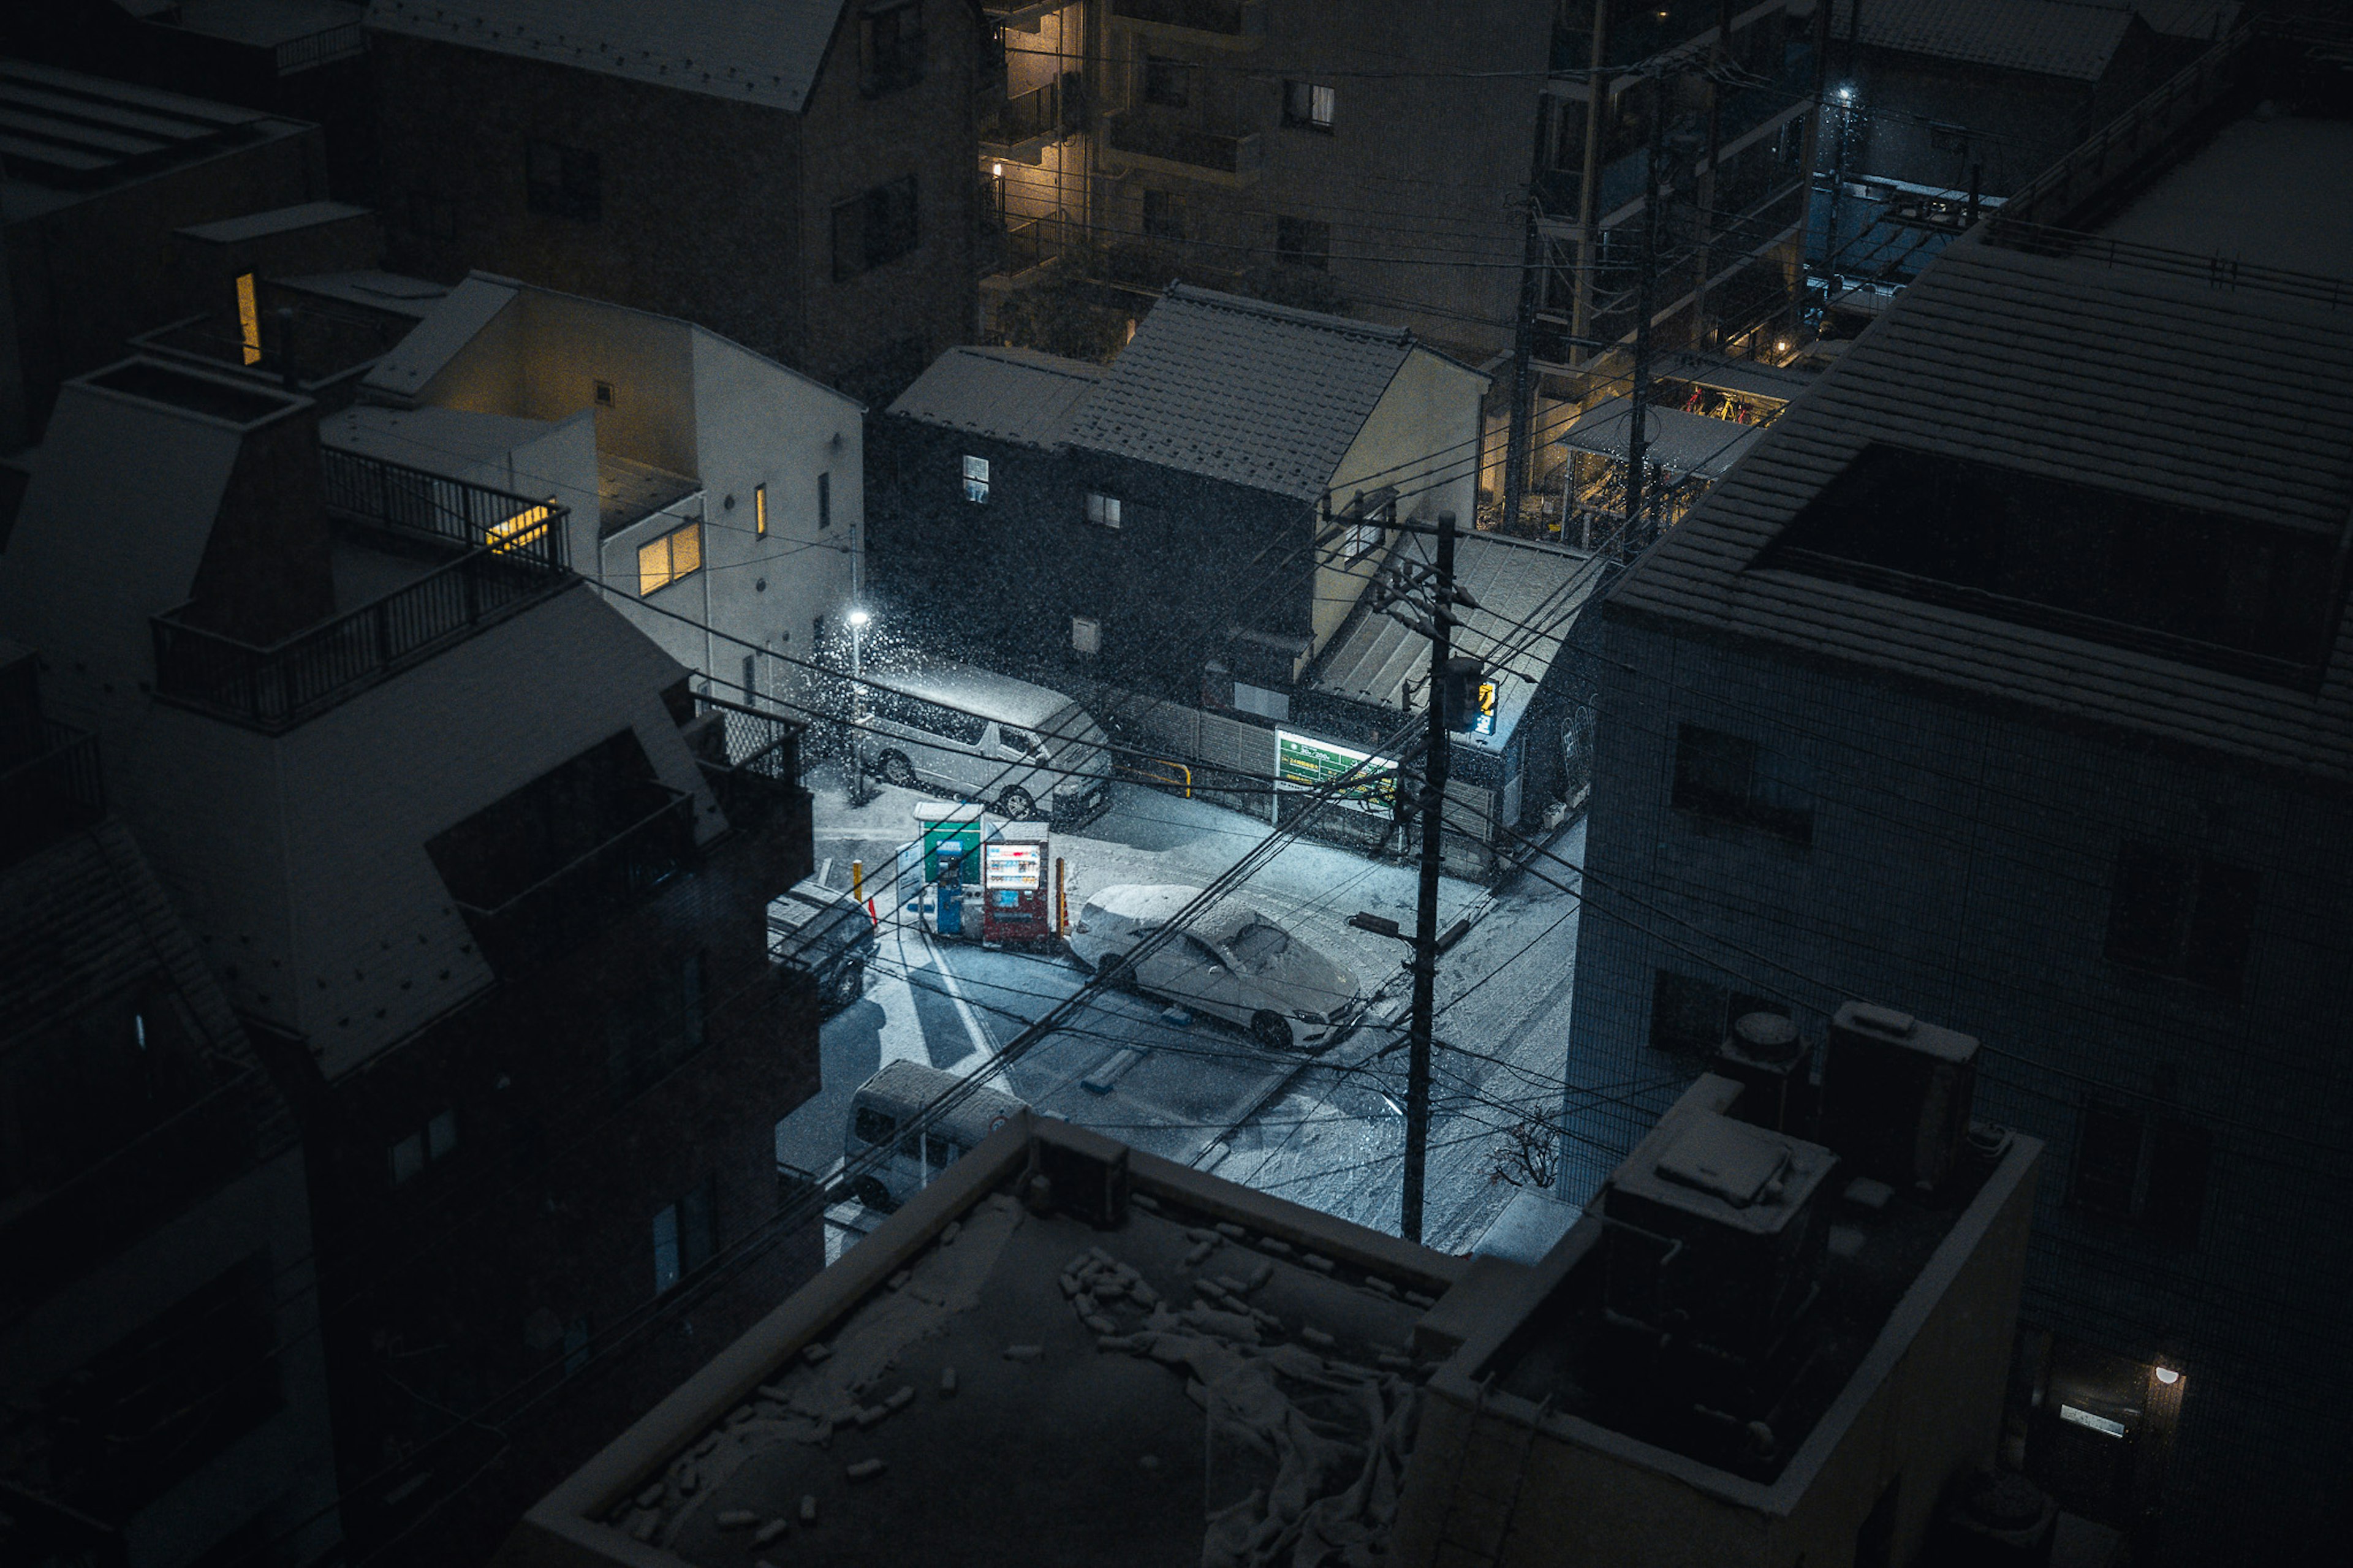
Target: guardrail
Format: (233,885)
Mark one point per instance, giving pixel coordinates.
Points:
(1158,772)
(384,494)
(276,688)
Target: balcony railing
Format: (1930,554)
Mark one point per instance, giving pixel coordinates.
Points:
(56,792)
(1033,242)
(346,42)
(1041,114)
(568,905)
(274,689)
(1220,18)
(751,759)
(370,490)
(1139,133)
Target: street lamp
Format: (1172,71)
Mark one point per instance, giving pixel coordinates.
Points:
(858,619)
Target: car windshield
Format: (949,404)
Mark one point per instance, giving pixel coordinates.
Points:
(1255,946)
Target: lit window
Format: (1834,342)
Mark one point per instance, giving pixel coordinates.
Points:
(1086,635)
(664,561)
(1103,510)
(249,318)
(976,479)
(760,510)
(1309,104)
(528,526)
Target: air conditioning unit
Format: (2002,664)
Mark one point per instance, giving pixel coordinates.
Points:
(1763,1054)
(1896,1096)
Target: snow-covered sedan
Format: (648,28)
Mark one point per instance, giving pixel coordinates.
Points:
(1233,963)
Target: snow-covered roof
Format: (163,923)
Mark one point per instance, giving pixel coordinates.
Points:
(980,1383)
(2146,392)
(454,321)
(2069,39)
(1528,594)
(1243,391)
(453,441)
(1695,444)
(1008,395)
(1748,377)
(277,220)
(749,51)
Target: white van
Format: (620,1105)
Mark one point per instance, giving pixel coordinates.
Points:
(881,1113)
(979,736)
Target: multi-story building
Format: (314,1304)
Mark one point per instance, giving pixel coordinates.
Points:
(100,175)
(485,889)
(165,1395)
(1067,1350)
(720,495)
(2007,674)
(793,177)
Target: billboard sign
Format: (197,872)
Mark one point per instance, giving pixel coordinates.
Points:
(1304,764)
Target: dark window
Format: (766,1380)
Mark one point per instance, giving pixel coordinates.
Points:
(1163,215)
(891,49)
(1168,81)
(2177,914)
(1309,105)
(1303,242)
(874,228)
(931,718)
(824,501)
(685,1233)
(1691,1017)
(868,1125)
(1728,778)
(562,181)
(655,1023)
(2142,1169)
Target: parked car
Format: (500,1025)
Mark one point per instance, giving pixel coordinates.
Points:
(1233,963)
(827,932)
(881,1114)
(981,736)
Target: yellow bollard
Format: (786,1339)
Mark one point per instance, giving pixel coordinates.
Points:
(858,881)
(1061,901)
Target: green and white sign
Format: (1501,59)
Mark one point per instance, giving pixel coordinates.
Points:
(1302,763)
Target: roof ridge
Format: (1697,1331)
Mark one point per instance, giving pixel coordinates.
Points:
(1243,304)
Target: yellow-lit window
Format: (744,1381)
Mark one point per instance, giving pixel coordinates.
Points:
(249,318)
(525,527)
(760,510)
(664,561)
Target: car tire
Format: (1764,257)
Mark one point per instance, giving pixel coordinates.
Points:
(1116,973)
(849,985)
(896,769)
(1269,1029)
(1015,805)
(870,1190)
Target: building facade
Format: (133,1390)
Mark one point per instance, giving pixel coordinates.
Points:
(1976,686)
(796,182)
(485,886)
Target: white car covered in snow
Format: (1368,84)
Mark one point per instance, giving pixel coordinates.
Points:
(1233,963)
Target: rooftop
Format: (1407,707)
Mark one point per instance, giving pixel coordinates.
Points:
(277,220)
(2170,404)
(1240,390)
(1518,585)
(1682,444)
(1008,395)
(629,491)
(767,54)
(433,439)
(2069,39)
(390,291)
(65,135)
(982,1382)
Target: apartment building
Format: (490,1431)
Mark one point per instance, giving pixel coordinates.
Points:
(718,494)
(793,177)
(2007,674)
(483,884)
(164,1393)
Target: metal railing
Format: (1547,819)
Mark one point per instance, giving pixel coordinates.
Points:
(323,48)
(1035,241)
(569,904)
(381,494)
(51,794)
(276,688)
(1027,116)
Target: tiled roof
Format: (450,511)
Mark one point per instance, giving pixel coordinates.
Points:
(1010,394)
(1235,389)
(1523,589)
(2049,38)
(749,51)
(2136,383)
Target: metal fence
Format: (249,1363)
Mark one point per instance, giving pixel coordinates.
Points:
(392,495)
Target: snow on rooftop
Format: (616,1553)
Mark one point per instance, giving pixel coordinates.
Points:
(2249,196)
(1030,1389)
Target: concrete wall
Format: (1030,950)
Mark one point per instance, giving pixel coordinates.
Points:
(1960,869)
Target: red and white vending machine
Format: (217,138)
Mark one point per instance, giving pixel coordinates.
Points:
(1016,903)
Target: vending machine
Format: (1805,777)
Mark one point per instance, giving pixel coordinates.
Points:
(1016,902)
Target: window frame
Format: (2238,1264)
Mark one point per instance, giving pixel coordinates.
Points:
(2182,915)
(906,47)
(1303,242)
(1102,509)
(1086,636)
(760,510)
(1163,217)
(2142,1168)
(1166,80)
(1310,105)
(975,478)
(561,181)
(876,228)
(667,544)
(1764,798)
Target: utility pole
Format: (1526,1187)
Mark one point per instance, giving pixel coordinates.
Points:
(1638,396)
(1436,757)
